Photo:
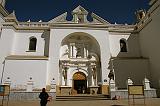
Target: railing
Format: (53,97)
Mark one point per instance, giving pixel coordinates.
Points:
(33,24)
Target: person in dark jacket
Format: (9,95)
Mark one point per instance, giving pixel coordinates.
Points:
(44,97)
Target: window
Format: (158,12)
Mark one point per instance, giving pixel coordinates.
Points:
(32,43)
(123,45)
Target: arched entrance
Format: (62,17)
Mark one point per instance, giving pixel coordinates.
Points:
(78,51)
(80,82)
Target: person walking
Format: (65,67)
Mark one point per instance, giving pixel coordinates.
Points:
(44,97)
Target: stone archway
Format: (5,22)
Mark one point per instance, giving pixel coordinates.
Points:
(80,82)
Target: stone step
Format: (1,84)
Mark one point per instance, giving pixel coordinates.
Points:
(81,97)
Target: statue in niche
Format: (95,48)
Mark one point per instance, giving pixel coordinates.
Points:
(80,20)
(79,50)
(64,73)
(111,75)
(78,54)
(94,72)
(66,53)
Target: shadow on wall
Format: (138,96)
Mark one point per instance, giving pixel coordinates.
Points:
(129,63)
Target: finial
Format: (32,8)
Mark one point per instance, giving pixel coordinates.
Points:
(13,12)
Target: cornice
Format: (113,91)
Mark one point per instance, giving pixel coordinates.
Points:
(78,61)
(86,26)
(154,7)
(3,11)
(129,58)
(26,26)
(23,57)
(152,2)
(120,33)
(109,27)
(148,17)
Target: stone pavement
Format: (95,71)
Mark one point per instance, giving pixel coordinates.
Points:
(123,102)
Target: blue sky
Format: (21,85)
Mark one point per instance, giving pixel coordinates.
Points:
(119,11)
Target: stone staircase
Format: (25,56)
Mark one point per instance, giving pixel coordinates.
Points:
(82,97)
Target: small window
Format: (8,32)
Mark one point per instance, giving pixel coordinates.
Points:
(32,43)
(123,45)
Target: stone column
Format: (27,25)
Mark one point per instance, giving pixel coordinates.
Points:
(60,75)
(70,50)
(85,53)
(63,80)
(74,51)
(94,75)
(92,81)
(30,85)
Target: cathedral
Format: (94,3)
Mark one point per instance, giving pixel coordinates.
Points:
(80,56)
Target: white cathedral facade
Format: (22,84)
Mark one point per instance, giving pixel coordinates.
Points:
(79,54)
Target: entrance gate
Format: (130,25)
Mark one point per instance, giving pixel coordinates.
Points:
(80,82)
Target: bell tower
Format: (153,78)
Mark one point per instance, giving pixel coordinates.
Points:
(79,15)
(2,2)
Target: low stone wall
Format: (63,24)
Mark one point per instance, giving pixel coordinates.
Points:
(123,94)
(28,95)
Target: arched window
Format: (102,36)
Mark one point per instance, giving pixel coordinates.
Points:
(32,43)
(123,45)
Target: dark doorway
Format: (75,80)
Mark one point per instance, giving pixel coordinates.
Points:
(80,86)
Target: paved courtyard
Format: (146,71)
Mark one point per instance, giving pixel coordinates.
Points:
(123,102)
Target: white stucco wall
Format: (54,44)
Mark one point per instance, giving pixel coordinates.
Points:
(131,41)
(20,71)
(21,44)
(56,37)
(150,41)
(17,43)
(6,43)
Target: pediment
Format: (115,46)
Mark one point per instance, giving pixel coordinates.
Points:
(98,19)
(11,17)
(79,16)
(60,18)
